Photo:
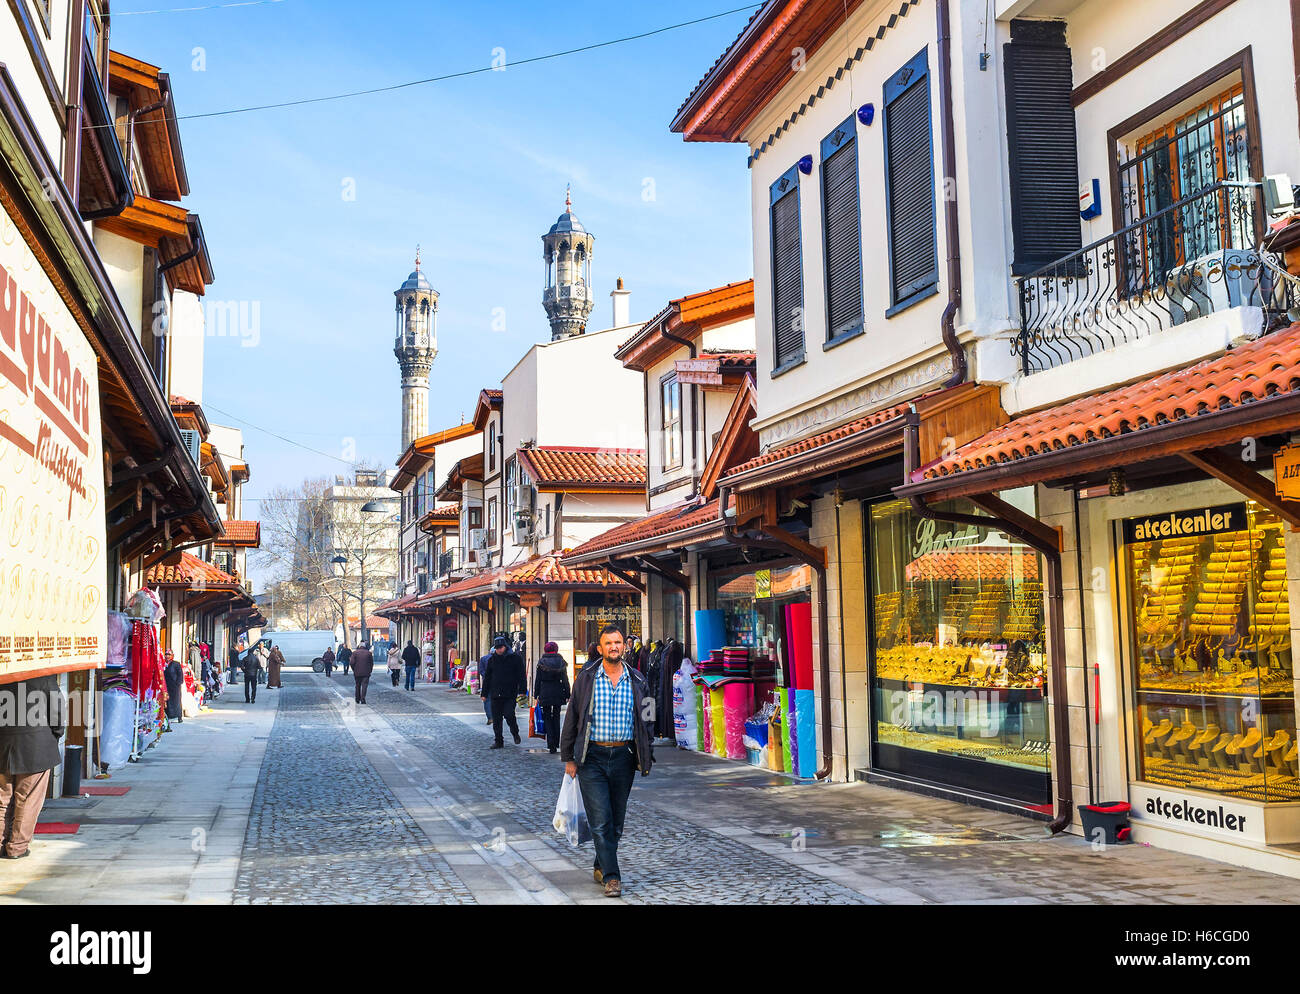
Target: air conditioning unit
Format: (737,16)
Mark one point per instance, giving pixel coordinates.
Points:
(192,441)
(480,557)
(523,497)
(477,539)
(523,528)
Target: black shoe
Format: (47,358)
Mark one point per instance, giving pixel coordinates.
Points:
(552,751)
(516,737)
(489,721)
(497,745)
(22,855)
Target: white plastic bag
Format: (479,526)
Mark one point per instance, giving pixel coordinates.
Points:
(570,816)
(685,727)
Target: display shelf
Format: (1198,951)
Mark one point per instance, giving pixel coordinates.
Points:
(1013,695)
(1181,698)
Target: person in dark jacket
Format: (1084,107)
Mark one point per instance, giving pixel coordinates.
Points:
(502,678)
(551,689)
(363,664)
(345,658)
(31,724)
(175,680)
(252,671)
(234,662)
(327,661)
(593,653)
(606,738)
(411,663)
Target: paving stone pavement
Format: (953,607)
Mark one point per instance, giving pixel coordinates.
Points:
(324,828)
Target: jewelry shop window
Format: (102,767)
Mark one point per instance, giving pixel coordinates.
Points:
(959,672)
(1210,633)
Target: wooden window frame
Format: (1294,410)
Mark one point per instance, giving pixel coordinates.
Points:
(665,426)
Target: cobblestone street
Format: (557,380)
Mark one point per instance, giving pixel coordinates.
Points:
(305,797)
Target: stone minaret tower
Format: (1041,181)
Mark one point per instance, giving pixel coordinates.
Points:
(567,298)
(416,346)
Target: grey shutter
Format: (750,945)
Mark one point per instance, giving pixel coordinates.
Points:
(909,183)
(842,231)
(787,270)
(1044,161)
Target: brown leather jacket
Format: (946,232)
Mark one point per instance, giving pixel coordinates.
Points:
(363,663)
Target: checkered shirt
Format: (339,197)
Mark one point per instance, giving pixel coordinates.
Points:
(613,708)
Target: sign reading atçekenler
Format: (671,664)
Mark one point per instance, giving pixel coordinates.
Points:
(52,571)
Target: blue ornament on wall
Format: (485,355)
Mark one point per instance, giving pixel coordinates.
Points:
(867,114)
(805,165)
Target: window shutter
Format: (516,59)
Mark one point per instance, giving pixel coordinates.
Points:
(909,183)
(787,270)
(842,230)
(1041,140)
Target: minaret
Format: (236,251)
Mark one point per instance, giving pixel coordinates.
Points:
(416,346)
(567,298)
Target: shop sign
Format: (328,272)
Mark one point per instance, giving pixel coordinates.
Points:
(1193,522)
(763,583)
(702,371)
(530,600)
(1286,472)
(52,567)
(929,539)
(1196,813)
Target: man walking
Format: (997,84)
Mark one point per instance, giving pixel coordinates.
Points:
(252,671)
(363,664)
(411,663)
(345,657)
(609,722)
(31,724)
(502,679)
(327,661)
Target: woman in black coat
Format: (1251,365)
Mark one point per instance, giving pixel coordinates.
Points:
(551,689)
(175,683)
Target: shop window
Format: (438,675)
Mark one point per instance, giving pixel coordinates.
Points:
(671,421)
(592,612)
(959,675)
(1210,637)
(753,608)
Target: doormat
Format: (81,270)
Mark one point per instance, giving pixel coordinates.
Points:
(57,828)
(98,790)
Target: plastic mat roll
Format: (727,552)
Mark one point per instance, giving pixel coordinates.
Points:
(737,705)
(788,731)
(718,729)
(710,633)
(805,709)
(118,727)
(801,651)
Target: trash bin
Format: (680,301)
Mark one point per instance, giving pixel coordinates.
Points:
(1108,817)
(72,770)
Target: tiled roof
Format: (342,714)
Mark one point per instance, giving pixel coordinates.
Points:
(1265,367)
(549,571)
(733,299)
(395,605)
(242,533)
(450,511)
(823,438)
(973,564)
(555,466)
(728,358)
(673,519)
(372,621)
(189,571)
(493,393)
(719,60)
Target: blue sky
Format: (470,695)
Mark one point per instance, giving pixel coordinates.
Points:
(473,170)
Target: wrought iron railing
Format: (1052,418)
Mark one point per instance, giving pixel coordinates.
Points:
(1193,258)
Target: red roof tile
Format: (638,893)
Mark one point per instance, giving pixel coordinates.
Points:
(549,571)
(557,466)
(823,438)
(247,534)
(670,520)
(1265,367)
(189,571)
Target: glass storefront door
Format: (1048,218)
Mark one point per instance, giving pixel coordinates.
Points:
(1210,641)
(959,673)
(753,609)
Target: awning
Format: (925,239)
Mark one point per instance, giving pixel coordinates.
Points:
(1254,390)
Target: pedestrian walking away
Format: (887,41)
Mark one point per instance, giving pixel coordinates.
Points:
(273,663)
(345,658)
(363,664)
(252,670)
(551,691)
(234,662)
(394,664)
(606,739)
(31,724)
(502,679)
(411,662)
(327,661)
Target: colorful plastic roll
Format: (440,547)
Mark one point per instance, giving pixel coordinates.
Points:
(710,633)
(719,723)
(736,707)
(801,645)
(806,724)
(785,731)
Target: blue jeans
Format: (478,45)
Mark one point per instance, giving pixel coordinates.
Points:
(605,780)
(410,678)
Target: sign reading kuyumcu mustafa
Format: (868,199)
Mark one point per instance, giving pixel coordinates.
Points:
(52,542)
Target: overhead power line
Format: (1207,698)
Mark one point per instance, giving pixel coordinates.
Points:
(454,75)
(273,434)
(187,10)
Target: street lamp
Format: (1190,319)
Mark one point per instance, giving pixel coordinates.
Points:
(343,594)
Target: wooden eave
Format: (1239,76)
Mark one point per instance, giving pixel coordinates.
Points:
(148,222)
(737,442)
(487,403)
(157,135)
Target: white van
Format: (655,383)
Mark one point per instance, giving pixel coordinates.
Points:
(302,648)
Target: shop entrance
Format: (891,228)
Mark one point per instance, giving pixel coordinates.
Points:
(958,668)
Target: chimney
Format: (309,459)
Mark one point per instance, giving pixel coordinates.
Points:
(618,296)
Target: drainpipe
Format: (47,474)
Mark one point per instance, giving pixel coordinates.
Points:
(1055,616)
(771,543)
(128,195)
(198,247)
(951,235)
